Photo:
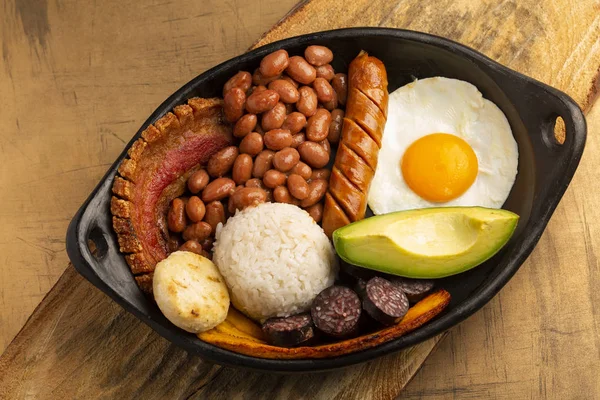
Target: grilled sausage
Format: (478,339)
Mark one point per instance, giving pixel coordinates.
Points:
(362,131)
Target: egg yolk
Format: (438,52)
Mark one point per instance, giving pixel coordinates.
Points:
(439,167)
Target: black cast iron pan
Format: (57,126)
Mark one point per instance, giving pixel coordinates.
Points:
(545,170)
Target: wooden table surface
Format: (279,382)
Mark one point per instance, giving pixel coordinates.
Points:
(74,87)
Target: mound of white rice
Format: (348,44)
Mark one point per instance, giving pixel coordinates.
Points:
(275,260)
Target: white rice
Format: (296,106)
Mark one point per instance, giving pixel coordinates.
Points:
(275,260)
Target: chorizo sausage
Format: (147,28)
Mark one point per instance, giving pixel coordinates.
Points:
(366,110)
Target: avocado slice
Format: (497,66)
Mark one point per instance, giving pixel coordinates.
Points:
(426,243)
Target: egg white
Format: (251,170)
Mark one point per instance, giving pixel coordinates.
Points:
(443,105)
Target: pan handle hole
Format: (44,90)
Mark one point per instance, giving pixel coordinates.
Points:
(553,132)
(559,130)
(97,243)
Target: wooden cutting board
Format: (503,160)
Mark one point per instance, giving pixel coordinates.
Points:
(78,344)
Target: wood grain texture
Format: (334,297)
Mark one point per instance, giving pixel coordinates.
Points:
(556,42)
(94,347)
(540,336)
(93,101)
(77,79)
(91,348)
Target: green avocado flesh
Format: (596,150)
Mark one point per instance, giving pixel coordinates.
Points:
(426,243)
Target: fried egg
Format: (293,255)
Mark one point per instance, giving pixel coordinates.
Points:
(443,145)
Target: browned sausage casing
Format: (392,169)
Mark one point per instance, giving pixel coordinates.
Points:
(362,130)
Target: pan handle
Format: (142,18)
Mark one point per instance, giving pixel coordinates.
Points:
(92,223)
(559,104)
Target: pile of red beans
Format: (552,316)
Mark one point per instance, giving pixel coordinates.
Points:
(285,116)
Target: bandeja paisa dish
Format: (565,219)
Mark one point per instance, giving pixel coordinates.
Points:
(379,194)
(260,180)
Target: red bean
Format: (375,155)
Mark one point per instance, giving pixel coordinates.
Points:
(307,104)
(246,197)
(176,219)
(302,169)
(301,71)
(198,181)
(324,90)
(262,163)
(274,118)
(242,169)
(287,91)
(313,154)
(274,64)
(192,246)
(277,139)
(285,159)
(195,209)
(274,178)
(281,194)
(234,101)
(215,214)
(242,80)
(297,186)
(245,125)
(197,231)
(325,71)
(316,191)
(218,190)
(317,127)
(252,144)
(259,102)
(294,122)
(221,162)
(318,55)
